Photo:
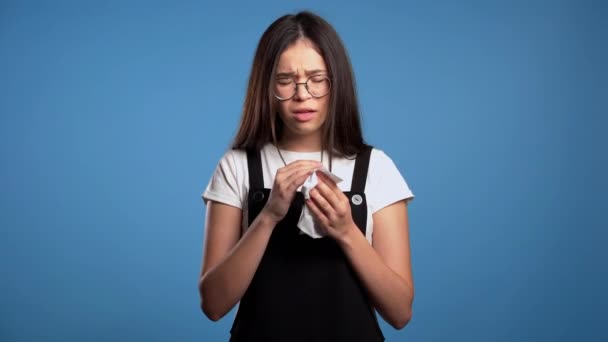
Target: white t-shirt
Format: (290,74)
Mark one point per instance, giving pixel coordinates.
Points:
(230,181)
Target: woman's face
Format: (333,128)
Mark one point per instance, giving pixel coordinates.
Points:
(303,114)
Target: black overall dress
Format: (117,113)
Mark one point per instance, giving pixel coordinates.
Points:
(305,289)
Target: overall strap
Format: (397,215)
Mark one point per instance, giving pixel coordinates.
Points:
(254,165)
(360,172)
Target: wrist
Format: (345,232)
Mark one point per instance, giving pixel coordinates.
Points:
(268,219)
(349,235)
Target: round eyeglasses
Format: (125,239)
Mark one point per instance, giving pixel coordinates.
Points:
(317,86)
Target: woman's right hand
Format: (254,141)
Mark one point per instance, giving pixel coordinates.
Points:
(286,181)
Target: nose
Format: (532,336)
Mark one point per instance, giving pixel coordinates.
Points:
(301,92)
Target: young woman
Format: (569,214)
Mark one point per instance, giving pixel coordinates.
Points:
(300,114)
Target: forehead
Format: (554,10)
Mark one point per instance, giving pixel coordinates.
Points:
(300,56)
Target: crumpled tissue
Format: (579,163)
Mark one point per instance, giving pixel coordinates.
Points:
(307,224)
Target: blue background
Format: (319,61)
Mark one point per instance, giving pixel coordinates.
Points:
(114,115)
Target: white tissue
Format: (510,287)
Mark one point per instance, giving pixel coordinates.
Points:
(307,224)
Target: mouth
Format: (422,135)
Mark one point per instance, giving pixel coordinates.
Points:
(304,114)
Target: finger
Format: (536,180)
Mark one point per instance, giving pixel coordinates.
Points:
(296,170)
(321,203)
(284,173)
(298,177)
(328,194)
(299,163)
(328,181)
(317,213)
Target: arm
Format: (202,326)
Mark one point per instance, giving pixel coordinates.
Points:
(229,263)
(384,269)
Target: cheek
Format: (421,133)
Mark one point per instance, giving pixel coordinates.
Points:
(282,107)
(325,110)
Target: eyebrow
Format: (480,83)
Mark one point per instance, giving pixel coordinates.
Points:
(306,72)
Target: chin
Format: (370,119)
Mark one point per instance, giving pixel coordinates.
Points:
(304,128)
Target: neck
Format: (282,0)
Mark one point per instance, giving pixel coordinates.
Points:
(300,143)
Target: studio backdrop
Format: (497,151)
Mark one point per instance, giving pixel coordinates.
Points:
(113,115)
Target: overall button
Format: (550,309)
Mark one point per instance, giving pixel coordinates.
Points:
(357,199)
(258,196)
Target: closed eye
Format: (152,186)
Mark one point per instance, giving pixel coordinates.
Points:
(285,81)
(318,78)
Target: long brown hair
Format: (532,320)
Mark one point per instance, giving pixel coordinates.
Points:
(259,125)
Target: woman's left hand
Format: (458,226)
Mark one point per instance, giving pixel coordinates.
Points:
(331,208)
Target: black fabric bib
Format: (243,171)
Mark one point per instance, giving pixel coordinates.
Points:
(305,289)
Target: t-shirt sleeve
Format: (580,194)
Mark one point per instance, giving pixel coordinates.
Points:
(227,185)
(385,184)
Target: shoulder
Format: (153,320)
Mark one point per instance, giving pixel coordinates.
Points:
(232,165)
(379,159)
(238,159)
(234,157)
(235,154)
(386,184)
(227,183)
(381,167)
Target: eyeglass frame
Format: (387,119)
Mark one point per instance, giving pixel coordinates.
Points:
(295,88)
